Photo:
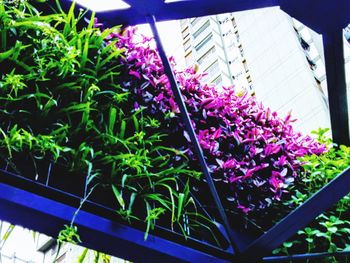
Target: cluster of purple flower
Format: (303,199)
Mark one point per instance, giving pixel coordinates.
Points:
(252,153)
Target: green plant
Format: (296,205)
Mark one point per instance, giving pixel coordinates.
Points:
(69,234)
(4,235)
(329,232)
(252,152)
(62,104)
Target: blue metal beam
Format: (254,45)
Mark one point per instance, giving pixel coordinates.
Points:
(140,9)
(320,15)
(47,216)
(336,85)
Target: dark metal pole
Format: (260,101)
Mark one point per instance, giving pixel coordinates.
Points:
(189,127)
(336,85)
(299,218)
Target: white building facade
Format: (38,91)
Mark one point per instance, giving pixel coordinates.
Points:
(267,52)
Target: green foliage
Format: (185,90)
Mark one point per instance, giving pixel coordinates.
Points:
(69,234)
(330,231)
(61,102)
(4,235)
(99,257)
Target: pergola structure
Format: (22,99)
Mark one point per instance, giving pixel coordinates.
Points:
(46,209)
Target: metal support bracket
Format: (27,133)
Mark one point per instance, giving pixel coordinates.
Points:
(336,85)
(189,127)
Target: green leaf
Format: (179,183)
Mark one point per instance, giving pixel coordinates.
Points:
(180,205)
(7,234)
(118,196)
(333,229)
(112,118)
(122,129)
(136,123)
(82,257)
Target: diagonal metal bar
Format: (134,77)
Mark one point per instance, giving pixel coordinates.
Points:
(336,85)
(189,127)
(299,218)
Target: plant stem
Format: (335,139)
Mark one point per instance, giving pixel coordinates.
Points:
(82,201)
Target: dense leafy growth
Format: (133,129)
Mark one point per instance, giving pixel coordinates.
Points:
(329,231)
(65,116)
(96,105)
(252,153)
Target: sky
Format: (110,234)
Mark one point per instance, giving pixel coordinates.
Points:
(170,34)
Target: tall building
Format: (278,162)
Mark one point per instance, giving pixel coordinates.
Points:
(213,44)
(265,51)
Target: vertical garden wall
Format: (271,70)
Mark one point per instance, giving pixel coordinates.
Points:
(88,112)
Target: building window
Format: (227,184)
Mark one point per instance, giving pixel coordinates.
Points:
(206,56)
(249,79)
(241,50)
(61,259)
(213,69)
(189,59)
(196,20)
(201,29)
(185,32)
(187,44)
(237,35)
(304,44)
(312,64)
(245,65)
(206,40)
(217,81)
(234,22)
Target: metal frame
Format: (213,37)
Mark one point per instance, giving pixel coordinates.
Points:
(47,209)
(47,215)
(336,85)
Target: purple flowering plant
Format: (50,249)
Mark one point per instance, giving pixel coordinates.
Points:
(252,153)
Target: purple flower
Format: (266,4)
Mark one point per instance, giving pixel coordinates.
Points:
(135,73)
(271,149)
(244,209)
(248,145)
